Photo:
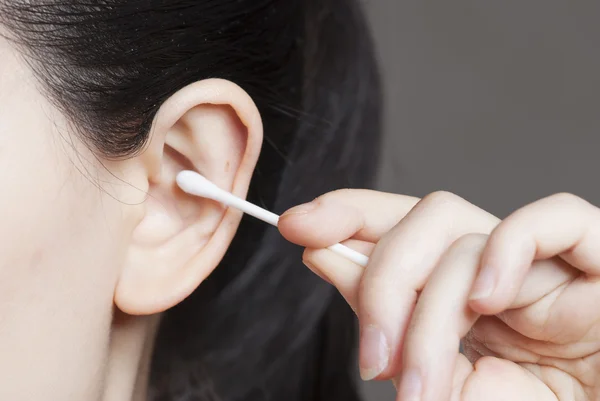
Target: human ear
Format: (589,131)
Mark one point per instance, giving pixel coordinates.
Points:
(212,127)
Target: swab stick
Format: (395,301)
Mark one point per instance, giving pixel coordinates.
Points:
(195,184)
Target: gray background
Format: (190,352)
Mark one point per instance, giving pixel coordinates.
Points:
(496,101)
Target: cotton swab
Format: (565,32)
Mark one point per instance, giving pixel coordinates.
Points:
(195,184)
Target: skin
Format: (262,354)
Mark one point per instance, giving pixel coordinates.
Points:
(522,293)
(92,251)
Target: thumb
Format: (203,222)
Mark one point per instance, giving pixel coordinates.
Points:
(349,213)
(320,224)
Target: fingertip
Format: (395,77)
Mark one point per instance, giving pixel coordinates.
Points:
(504,264)
(300,210)
(486,294)
(316,271)
(484,307)
(319,225)
(294,222)
(338,271)
(485,283)
(493,304)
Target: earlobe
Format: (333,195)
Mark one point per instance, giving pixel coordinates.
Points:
(212,127)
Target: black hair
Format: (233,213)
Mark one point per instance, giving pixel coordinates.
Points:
(261,327)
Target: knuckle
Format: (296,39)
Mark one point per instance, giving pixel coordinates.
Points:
(381,307)
(470,242)
(338,194)
(566,198)
(441,199)
(377,291)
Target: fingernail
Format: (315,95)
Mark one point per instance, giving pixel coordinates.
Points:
(484,284)
(300,209)
(374,352)
(316,271)
(411,386)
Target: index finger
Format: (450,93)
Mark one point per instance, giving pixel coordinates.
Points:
(350,213)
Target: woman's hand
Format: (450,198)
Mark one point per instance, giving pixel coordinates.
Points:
(522,293)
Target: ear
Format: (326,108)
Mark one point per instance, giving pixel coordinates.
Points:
(212,127)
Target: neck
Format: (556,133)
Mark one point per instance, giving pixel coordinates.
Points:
(129,357)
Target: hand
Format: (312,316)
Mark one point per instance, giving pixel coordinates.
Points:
(523,294)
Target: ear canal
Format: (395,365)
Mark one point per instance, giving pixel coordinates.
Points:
(195,184)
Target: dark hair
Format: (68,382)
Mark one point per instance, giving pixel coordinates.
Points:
(262,327)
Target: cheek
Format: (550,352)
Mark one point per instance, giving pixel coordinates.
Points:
(58,260)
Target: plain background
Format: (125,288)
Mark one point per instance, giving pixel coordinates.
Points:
(497,101)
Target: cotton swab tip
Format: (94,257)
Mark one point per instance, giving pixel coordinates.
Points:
(195,184)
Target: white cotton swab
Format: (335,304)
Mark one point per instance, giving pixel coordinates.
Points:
(195,184)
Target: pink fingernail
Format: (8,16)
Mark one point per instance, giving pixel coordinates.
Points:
(374,352)
(300,210)
(485,284)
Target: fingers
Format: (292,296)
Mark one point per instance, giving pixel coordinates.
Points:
(334,217)
(538,370)
(492,336)
(499,380)
(558,225)
(544,277)
(337,270)
(462,372)
(488,380)
(564,320)
(440,318)
(399,268)
(432,367)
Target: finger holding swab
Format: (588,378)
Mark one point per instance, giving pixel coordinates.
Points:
(197,185)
